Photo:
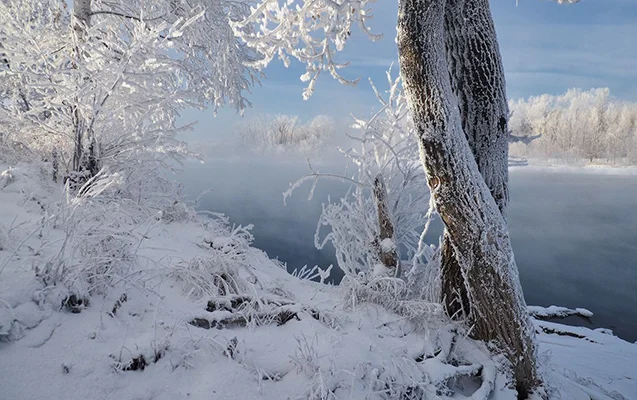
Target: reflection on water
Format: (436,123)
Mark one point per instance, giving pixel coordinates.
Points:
(574,234)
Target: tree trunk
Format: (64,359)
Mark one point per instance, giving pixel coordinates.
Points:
(477,80)
(477,230)
(386,244)
(82,14)
(453,285)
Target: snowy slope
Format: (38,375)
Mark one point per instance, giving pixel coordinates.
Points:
(198,314)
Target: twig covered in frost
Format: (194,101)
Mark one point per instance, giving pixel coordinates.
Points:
(313,273)
(391,293)
(312,31)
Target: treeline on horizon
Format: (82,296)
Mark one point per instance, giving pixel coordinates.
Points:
(579,125)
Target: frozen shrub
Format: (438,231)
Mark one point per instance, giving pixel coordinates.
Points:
(176,212)
(386,155)
(219,272)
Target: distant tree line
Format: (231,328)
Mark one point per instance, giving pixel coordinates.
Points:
(579,125)
(285,132)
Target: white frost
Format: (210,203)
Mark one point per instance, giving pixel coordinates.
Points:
(387,245)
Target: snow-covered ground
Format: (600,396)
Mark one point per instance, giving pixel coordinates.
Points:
(183,308)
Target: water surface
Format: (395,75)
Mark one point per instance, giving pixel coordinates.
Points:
(574,233)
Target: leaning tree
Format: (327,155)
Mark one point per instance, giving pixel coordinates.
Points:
(454,82)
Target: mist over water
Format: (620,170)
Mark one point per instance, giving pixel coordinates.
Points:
(575,241)
(574,233)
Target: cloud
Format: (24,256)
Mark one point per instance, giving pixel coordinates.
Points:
(555,57)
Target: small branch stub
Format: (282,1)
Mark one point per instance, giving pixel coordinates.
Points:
(387,249)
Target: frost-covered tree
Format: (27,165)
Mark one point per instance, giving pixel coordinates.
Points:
(102,83)
(469,187)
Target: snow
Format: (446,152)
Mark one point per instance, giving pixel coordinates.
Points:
(555,311)
(387,245)
(381,270)
(584,312)
(601,365)
(331,347)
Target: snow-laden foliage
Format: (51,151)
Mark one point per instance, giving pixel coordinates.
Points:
(94,250)
(216,273)
(311,31)
(393,294)
(285,132)
(313,274)
(103,83)
(578,125)
(385,147)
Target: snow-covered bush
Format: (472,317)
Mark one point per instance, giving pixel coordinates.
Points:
(90,230)
(177,212)
(386,151)
(218,273)
(394,294)
(96,253)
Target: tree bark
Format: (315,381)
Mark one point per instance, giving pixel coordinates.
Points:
(477,230)
(82,13)
(387,255)
(477,80)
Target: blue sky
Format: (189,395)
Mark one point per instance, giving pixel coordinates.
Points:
(546,48)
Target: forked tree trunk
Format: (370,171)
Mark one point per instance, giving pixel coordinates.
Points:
(477,80)
(476,228)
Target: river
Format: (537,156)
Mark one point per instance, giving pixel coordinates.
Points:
(573,231)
